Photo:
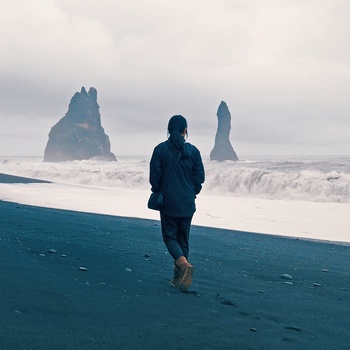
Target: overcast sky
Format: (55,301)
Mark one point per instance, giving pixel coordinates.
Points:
(282,67)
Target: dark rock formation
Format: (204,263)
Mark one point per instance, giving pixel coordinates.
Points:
(223,149)
(79,134)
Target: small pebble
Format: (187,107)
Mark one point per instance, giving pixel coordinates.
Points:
(324,270)
(285,276)
(288,283)
(63,255)
(81,268)
(316,285)
(52,251)
(41,254)
(128,270)
(261,291)
(253,329)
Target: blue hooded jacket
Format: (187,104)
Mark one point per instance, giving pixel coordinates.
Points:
(184,183)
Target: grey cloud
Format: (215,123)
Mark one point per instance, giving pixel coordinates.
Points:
(282,68)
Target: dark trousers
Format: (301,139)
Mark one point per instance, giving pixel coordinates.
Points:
(176,233)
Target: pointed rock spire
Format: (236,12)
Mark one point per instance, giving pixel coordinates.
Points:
(223,149)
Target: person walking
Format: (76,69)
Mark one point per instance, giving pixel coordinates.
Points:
(178,164)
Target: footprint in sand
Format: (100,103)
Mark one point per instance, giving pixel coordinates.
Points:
(224,301)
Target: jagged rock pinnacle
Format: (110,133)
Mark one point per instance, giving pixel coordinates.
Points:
(223,149)
(79,134)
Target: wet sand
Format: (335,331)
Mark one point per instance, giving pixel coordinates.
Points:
(121,298)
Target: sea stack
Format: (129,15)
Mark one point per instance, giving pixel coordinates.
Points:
(223,149)
(79,134)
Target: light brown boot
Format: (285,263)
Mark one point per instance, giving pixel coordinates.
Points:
(186,273)
(176,280)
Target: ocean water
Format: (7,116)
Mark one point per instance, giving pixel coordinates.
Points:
(311,179)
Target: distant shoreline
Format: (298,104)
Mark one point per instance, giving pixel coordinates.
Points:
(10,179)
(241,157)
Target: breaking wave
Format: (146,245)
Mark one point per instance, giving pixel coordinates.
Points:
(316,180)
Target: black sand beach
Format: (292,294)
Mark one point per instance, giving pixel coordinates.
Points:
(123,300)
(11,179)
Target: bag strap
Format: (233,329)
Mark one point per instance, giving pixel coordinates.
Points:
(172,172)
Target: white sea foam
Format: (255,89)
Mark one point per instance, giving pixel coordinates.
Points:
(296,197)
(315,180)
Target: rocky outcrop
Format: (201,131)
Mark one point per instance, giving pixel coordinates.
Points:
(223,149)
(79,134)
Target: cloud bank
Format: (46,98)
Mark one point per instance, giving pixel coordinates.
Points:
(282,68)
